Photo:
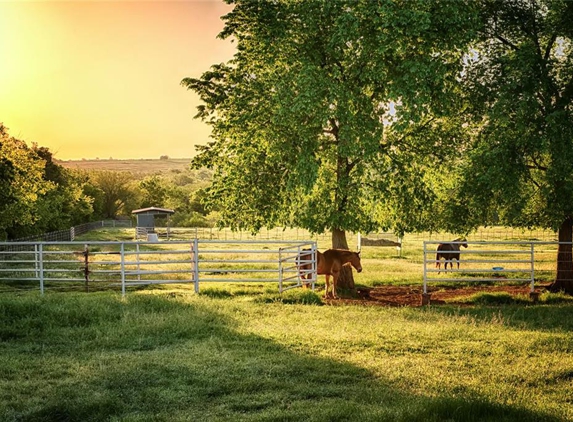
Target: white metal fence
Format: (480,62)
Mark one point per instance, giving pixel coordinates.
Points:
(97,265)
(298,265)
(498,261)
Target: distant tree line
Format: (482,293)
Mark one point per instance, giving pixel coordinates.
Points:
(38,195)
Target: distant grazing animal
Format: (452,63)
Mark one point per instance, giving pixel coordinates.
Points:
(329,263)
(450,251)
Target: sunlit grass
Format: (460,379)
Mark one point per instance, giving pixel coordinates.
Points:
(240,351)
(250,354)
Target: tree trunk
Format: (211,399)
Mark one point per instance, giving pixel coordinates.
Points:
(564,279)
(346,279)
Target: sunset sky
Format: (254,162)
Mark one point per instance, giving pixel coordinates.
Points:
(102,79)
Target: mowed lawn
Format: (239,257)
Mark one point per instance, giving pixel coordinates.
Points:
(166,354)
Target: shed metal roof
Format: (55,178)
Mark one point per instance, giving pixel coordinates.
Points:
(153,210)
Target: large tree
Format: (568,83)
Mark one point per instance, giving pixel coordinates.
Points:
(520,79)
(115,193)
(22,183)
(36,194)
(300,114)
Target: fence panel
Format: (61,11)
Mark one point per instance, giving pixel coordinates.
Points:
(298,265)
(96,265)
(246,260)
(495,261)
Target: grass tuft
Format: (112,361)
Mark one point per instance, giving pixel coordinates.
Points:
(501,298)
(555,298)
(215,293)
(303,297)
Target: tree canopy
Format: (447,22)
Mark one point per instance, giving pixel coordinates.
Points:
(519,79)
(300,115)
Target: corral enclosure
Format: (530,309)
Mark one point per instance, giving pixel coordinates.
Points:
(225,256)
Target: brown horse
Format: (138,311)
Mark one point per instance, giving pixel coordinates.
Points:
(330,263)
(450,251)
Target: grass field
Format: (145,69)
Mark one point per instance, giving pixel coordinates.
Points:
(136,167)
(242,352)
(166,355)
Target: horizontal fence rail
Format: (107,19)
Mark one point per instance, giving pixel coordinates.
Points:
(517,262)
(98,264)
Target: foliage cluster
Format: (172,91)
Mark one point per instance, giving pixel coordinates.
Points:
(36,194)
(304,107)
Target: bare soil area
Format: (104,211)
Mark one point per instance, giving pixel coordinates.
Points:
(412,295)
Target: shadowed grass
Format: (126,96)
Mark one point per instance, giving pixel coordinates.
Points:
(504,298)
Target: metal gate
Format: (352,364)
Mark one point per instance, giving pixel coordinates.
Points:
(298,266)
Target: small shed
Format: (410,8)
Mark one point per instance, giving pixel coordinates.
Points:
(146,221)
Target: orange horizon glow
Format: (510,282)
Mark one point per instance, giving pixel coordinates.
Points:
(102,79)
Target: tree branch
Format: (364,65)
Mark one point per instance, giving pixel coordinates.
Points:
(536,165)
(506,42)
(549,46)
(417,129)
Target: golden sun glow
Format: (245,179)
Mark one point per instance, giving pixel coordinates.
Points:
(102,79)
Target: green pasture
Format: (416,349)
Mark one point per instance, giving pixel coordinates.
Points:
(165,354)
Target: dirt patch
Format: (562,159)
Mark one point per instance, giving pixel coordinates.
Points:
(412,295)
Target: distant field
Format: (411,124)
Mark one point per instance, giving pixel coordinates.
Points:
(140,166)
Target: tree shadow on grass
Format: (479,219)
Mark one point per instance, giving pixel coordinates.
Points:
(191,363)
(554,318)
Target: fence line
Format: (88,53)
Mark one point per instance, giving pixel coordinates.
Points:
(70,234)
(355,240)
(100,264)
(490,261)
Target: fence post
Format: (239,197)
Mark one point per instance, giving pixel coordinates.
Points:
(533,294)
(425,294)
(425,291)
(195,249)
(280,270)
(36,262)
(122,253)
(41,263)
(137,260)
(532,268)
(314,252)
(86,266)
